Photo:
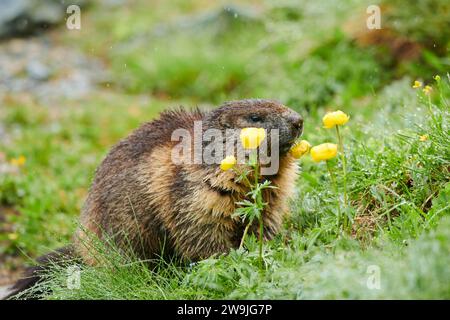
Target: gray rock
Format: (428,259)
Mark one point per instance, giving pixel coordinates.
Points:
(21,17)
(47,71)
(11,9)
(38,71)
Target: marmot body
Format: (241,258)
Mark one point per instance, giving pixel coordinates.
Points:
(140,198)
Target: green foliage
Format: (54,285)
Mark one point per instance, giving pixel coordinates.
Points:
(425,21)
(228,53)
(393,177)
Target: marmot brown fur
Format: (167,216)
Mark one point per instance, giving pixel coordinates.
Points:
(141,200)
(140,197)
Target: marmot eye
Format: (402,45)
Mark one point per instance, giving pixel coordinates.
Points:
(255,118)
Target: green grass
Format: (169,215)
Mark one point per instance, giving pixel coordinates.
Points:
(398,185)
(418,270)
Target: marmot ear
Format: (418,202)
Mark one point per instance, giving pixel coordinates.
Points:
(224,121)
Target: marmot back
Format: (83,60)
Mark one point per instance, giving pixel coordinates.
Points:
(141,199)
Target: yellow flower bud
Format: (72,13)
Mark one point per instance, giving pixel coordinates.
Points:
(251,138)
(427,90)
(336,118)
(300,149)
(417,84)
(437,78)
(423,138)
(324,151)
(228,163)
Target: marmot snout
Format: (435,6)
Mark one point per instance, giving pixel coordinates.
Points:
(139,197)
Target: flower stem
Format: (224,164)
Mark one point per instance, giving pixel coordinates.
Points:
(333,181)
(261,231)
(344,172)
(244,235)
(430,110)
(261,223)
(344,164)
(247,181)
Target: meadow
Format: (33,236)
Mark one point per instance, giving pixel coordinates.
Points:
(315,57)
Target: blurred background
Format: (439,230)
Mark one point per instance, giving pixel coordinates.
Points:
(67,95)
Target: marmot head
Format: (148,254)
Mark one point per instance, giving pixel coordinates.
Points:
(259,113)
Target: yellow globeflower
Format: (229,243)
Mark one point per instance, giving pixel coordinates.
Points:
(20,161)
(417,84)
(228,163)
(251,138)
(13,236)
(336,118)
(300,148)
(324,151)
(427,90)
